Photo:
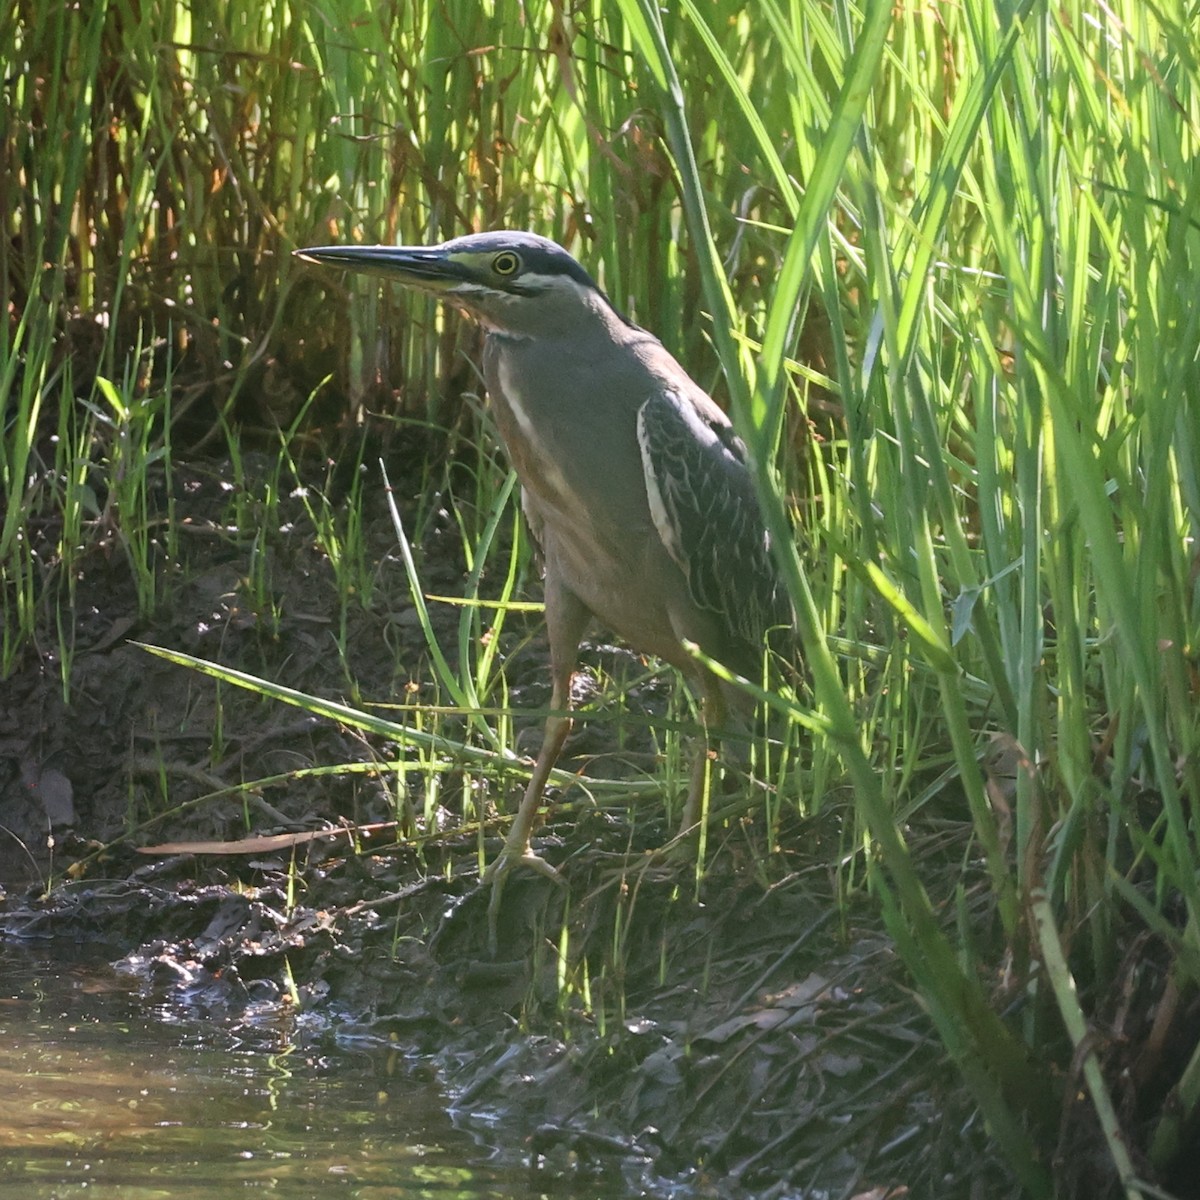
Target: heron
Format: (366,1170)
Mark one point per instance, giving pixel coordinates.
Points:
(634,485)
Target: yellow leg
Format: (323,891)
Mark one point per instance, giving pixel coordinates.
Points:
(517,848)
(566,619)
(712,714)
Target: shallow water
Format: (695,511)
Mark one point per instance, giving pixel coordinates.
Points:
(105,1096)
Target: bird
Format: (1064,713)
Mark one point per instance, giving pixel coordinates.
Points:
(635,487)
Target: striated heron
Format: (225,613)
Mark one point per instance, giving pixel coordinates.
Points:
(634,485)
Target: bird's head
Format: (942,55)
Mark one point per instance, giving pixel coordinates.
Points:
(515,283)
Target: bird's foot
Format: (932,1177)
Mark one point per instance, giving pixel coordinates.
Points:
(507,859)
(497,874)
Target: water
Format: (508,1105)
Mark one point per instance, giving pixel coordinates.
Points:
(104,1097)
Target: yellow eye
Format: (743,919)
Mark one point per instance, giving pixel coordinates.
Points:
(506,263)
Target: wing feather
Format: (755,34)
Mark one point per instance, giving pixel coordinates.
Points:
(705,511)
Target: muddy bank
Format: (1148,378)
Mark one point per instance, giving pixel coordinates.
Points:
(744,1035)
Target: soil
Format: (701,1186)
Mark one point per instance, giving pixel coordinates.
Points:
(750,1034)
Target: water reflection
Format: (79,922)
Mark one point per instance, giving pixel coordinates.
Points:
(101,1097)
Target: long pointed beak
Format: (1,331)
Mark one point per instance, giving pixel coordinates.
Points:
(418,266)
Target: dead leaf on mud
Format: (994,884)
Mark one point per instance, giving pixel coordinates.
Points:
(799,995)
(762,1019)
